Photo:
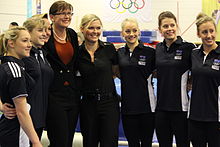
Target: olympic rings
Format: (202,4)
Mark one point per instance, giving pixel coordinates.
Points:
(136,6)
(141,6)
(116,6)
(121,4)
(129,5)
(117,10)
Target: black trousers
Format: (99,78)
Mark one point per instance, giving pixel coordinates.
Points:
(203,133)
(172,123)
(99,122)
(139,129)
(61,121)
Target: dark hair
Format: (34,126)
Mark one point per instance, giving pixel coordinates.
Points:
(14,23)
(165,14)
(59,6)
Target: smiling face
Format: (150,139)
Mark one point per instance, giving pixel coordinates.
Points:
(130,32)
(20,47)
(168,29)
(207,33)
(62,19)
(48,29)
(38,36)
(92,31)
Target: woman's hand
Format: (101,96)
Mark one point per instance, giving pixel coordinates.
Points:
(8,111)
(37,144)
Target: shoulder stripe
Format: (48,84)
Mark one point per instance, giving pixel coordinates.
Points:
(12,70)
(18,68)
(15,69)
(197,48)
(189,42)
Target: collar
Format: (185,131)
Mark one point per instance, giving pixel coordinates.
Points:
(35,50)
(101,44)
(216,50)
(5,59)
(139,46)
(179,41)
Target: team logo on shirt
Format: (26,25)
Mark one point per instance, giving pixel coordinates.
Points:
(179,54)
(216,64)
(142,60)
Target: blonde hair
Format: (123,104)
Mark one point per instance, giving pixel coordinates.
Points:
(203,18)
(88,19)
(80,35)
(128,20)
(43,15)
(10,34)
(34,22)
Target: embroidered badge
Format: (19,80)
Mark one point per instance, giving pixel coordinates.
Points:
(216,64)
(142,60)
(179,54)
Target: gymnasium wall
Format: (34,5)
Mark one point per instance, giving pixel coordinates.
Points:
(185,10)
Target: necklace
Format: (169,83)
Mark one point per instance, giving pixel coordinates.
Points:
(62,39)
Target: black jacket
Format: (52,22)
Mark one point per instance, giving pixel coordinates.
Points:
(63,73)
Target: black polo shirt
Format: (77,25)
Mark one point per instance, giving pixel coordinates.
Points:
(13,85)
(205,101)
(97,76)
(136,80)
(40,71)
(172,66)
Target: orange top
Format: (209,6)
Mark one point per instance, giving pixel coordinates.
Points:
(65,51)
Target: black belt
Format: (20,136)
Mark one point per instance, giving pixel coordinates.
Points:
(98,96)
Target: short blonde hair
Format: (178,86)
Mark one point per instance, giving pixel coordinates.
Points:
(43,15)
(129,20)
(11,34)
(34,22)
(88,19)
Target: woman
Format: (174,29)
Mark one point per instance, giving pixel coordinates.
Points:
(15,45)
(204,121)
(39,69)
(44,16)
(136,64)
(64,95)
(173,61)
(99,115)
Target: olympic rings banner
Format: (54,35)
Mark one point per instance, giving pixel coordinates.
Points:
(118,10)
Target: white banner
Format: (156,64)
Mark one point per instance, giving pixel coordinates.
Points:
(118,10)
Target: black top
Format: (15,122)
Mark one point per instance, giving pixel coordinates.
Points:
(204,105)
(63,73)
(136,79)
(172,65)
(39,69)
(12,85)
(98,76)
